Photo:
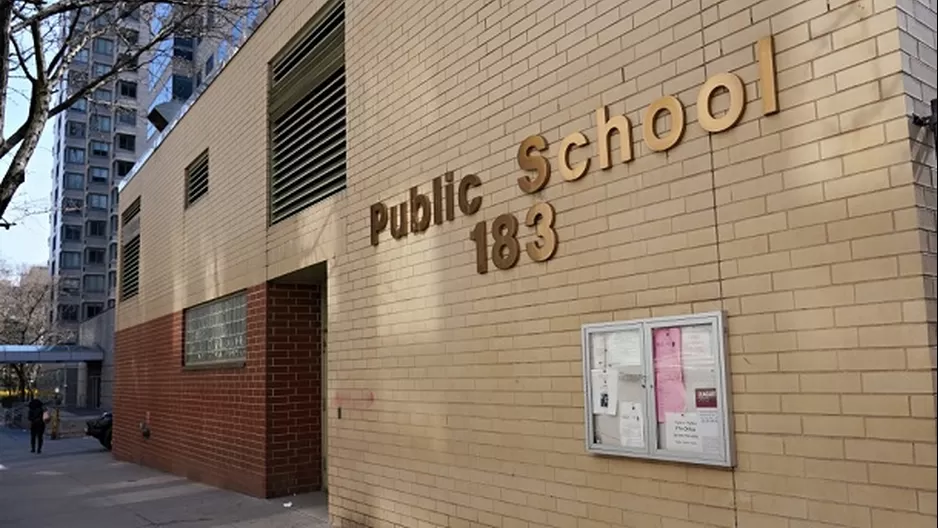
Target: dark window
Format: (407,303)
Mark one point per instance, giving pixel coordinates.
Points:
(74,155)
(98,174)
(97,201)
(197,179)
(92,310)
(127,116)
(99,69)
(127,89)
(68,312)
(100,123)
(80,105)
(307,125)
(94,256)
(96,228)
(126,142)
(103,46)
(182,87)
(130,36)
(72,205)
(100,149)
(75,129)
(123,168)
(209,65)
(81,57)
(94,283)
(74,180)
(71,233)
(69,260)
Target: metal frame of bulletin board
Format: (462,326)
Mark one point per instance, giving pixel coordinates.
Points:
(658,389)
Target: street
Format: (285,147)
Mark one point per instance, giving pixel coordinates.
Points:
(75,483)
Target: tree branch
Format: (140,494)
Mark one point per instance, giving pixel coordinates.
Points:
(6,15)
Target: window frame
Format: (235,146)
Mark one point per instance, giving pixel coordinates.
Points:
(194,323)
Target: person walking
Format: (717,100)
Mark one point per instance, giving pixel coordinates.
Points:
(37,425)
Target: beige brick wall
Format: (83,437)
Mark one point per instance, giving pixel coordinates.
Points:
(814,229)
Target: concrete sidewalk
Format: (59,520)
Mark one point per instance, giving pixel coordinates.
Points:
(75,483)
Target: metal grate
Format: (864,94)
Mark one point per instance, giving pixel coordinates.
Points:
(332,20)
(197,179)
(131,212)
(130,269)
(308,149)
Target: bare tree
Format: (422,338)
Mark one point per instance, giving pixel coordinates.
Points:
(42,39)
(25,301)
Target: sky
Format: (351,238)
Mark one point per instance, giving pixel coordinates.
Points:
(27,243)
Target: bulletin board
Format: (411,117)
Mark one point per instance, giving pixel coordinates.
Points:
(657,389)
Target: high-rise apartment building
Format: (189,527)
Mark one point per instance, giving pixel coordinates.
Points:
(96,143)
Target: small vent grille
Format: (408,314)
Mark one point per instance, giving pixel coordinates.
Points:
(131,212)
(197,179)
(333,20)
(308,149)
(130,269)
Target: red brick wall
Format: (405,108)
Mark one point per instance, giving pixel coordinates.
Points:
(253,428)
(293,389)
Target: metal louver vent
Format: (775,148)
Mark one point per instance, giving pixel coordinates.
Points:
(131,212)
(332,20)
(130,269)
(197,179)
(308,149)
(307,116)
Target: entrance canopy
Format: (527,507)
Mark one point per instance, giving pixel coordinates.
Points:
(49,354)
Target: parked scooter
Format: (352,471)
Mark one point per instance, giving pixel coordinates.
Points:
(100,428)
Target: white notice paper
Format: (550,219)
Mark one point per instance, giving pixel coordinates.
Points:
(695,347)
(605,385)
(598,351)
(709,428)
(631,425)
(682,432)
(624,349)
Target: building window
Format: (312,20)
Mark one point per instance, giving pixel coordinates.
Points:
(112,253)
(103,46)
(97,201)
(130,36)
(100,69)
(92,310)
(100,123)
(74,180)
(68,312)
(74,155)
(123,168)
(197,179)
(307,116)
(94,256)
(126,142)
(104,95)
(71,233)
(215,332)
(111,279)
(96,228)
(209,65)
(70,260)
(130,251)
(182,87)
(98,174)
(81,57)
(127,116)
(80,105)
(94,283)
(70,285)
(127,89)
(72,205)
(75,129)
(100,149)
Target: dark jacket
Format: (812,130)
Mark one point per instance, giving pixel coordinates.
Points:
(36,410)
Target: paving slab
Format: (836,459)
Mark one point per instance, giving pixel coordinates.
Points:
(75,483)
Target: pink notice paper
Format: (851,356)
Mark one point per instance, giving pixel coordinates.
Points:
(669,372)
